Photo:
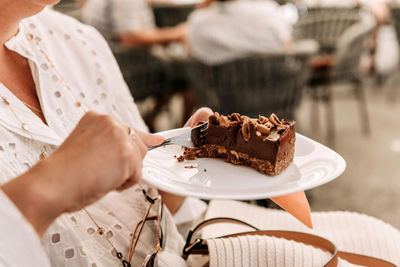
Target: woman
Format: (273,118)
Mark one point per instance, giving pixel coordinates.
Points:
(53,71)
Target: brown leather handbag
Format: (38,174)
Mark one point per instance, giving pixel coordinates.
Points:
(199,246)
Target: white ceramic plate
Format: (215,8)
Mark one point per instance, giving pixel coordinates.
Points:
(314,164)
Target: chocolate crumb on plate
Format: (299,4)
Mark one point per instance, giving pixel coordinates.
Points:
(190,167)
(181,158)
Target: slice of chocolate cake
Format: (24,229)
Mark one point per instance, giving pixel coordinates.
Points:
(265,144)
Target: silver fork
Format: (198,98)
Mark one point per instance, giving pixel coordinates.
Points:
(186,139)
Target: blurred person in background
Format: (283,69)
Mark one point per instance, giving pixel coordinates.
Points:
(383,51)
(131,22)
(224,30)
(80,2)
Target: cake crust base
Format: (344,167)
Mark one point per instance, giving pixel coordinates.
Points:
(239,158)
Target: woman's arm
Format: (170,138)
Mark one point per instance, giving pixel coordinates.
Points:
(97,157)
(40,203)
(148,37)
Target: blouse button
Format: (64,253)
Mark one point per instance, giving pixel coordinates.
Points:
(29,36)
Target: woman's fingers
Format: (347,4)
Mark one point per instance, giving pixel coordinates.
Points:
(150,139)
(201,114)
(136,160)
(138,141)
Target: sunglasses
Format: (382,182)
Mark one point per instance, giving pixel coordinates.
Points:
(149,260)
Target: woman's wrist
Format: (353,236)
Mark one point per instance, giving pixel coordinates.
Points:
(36,196)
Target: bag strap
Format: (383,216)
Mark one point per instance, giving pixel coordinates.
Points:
(364,260)
(199,246)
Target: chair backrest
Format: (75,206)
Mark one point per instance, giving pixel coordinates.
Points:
(170,15)
(256,85)
(395,12)
(350,47)
(325,25)
(144,73)
(69,7)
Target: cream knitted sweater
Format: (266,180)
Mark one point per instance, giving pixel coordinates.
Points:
(351,232)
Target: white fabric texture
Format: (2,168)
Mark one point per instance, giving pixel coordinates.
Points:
(263,251)
(19,244)
(230,30)
(190,209)
(350,232)
(113,17)
(77,55)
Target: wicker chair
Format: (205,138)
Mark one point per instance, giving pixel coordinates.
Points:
(325,25)
(395,12)
(145,76)
(344,66)
(143,73)
(393,92)
(254,85)
(171,15)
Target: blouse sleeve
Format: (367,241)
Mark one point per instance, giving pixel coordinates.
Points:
(19,245)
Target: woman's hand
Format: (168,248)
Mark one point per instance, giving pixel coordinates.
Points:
(201,114)
(100,153)
(97,157)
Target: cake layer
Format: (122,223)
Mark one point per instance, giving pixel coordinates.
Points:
(239,158)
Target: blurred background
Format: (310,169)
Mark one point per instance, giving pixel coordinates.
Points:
(331,65)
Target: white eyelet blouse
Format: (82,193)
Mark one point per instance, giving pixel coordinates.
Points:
(74,71)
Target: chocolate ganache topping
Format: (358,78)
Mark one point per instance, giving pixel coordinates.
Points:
(248,135)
